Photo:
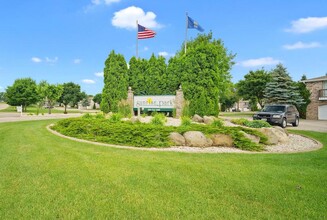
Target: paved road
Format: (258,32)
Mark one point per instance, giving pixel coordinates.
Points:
(311,125)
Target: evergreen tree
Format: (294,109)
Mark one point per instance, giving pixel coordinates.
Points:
(204,73)
(305,94)
(115,82)
(281,88)
(155,76)
(136,75)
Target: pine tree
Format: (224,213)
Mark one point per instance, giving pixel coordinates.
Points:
(115,82)
(281,88)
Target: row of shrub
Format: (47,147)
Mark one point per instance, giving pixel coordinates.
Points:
(114,131)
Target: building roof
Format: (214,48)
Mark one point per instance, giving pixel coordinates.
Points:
(317,79)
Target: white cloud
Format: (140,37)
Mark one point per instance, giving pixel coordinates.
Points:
(48,60)
(166,54)
(301,45)
(145,48)
(99,74)
(306,25)
(88,81)
(77,61)
(36,60)
(126,18)
(264,61)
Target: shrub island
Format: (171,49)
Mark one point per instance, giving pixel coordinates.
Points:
(129,132)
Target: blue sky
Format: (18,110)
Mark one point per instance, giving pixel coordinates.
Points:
(62,40)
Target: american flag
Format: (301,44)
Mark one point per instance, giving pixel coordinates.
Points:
(144,33)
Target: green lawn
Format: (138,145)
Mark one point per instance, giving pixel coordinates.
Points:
(33,110)
(43,176)
(237,114)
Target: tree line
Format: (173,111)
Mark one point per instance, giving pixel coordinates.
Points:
(203,73)
(26,91)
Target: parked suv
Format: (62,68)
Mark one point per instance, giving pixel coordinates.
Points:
(279,114)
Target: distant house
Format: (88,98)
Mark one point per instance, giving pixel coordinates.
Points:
(317,109)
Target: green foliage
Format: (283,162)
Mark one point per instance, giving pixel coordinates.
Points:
(229,98)
(251,124)
(239,121)
(158,119)
(257,124)
(71,95)
(186,109)
(115,82)
(186,121)
(97,98)
(22,92)
(217,123)
(204,73)
(52,93)
(100,116)
(305,94)
(87,116)
(148,135)
(124,108)
(253,86)
(281,88)
(116,117)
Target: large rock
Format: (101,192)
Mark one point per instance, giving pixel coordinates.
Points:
(177,139)
(222,140)
(196,139)
(275,135)
(253,138)
(197,118)
(208,119)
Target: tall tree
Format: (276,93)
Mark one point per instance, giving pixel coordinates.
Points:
(52,94)
(305,94)
(155,76)
(71,95)
(22,92)
(204,73)
(136,76)
(41,87)
(115,82)
(253,86)
(281,88)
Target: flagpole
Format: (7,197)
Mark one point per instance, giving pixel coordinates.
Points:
(186,32)
(137,39)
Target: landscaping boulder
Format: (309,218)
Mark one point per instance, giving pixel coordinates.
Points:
(197,118)
(177,139)
(197,139)
(253,138)
(135,119)
(223,140)
(274,135)
(208,119)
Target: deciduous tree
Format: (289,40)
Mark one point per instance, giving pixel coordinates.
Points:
(22,92)
(253,86)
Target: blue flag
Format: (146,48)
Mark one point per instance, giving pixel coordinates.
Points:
(193,24)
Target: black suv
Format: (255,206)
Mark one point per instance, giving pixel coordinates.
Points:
(279,114)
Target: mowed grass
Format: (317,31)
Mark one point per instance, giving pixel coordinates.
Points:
(43,176)
(33,110)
